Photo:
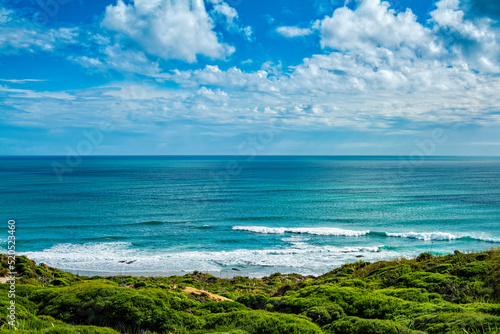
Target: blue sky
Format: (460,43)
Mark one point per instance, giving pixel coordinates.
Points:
(404,77)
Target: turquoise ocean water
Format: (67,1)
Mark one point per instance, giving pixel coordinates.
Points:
(240,215)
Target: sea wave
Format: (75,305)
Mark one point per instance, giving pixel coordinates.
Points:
(124,258)
(333,231)
(442,236)
(338,232)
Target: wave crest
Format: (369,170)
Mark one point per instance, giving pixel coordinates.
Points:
(338,232)
(332,231)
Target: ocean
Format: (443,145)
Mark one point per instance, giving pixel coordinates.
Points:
(250,216)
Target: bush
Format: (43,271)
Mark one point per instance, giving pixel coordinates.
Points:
(356,283)
(444,284)
(296,305)
(255,302)
(222,307)
(424,257)
(473,269)
(261,322)
(493,309)
(410,294)
(455,322)
(64,329)
(354,325)
(60,281)
(140,284)
(104,305)
(323,315)
(442,268)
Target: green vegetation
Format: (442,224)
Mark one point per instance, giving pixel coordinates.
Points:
(458,293)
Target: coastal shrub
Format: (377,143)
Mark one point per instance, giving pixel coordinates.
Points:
(260,322)
(493,309)
(60,281)
(25,270)
(417,309)
(424,257)
(343,296)
(473,269)
(444,284)
(140,284)
(357,302)
(392,274)
(21,310)
(323,315)
(296,305)
(378,306)
(40,271)
(357,283)
(222,307)
(64,329)
(256,302)
(235,331)
(104,305)
(452,323)
(410,294)
(441,268)
(320,310)
(354,325)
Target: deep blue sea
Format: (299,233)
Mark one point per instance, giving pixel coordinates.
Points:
(244,215)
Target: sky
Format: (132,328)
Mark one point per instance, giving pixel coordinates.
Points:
(413,78)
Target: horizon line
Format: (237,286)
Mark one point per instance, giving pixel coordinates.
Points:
(248,155)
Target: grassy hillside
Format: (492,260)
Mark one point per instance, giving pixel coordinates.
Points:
(457,293)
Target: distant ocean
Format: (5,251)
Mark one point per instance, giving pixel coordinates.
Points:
(230,215)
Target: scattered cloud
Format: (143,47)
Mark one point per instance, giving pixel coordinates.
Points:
(21,80)
(475,41)
(374,69)
(482,8)
(374,25)
(229,16)
(18,35)
(31,94)
(167,29)
(292,32)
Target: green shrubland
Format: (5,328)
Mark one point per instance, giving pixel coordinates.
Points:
(456,293)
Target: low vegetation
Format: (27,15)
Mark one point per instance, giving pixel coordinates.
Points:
(457,293)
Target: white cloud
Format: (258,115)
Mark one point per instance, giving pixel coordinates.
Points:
(5,15)
(379,67)
(19,35)
(31,94)
(21,80)
(169,29)
(291,32)
(476,42)
(234,78)
(129,60)
(374,25)
(223,12)
(388,68)
(87,61)
(374,29)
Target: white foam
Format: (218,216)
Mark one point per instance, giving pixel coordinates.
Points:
(338,232)
(332,231)
(442,236)
(424,236)
(487,239)
(121,258)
